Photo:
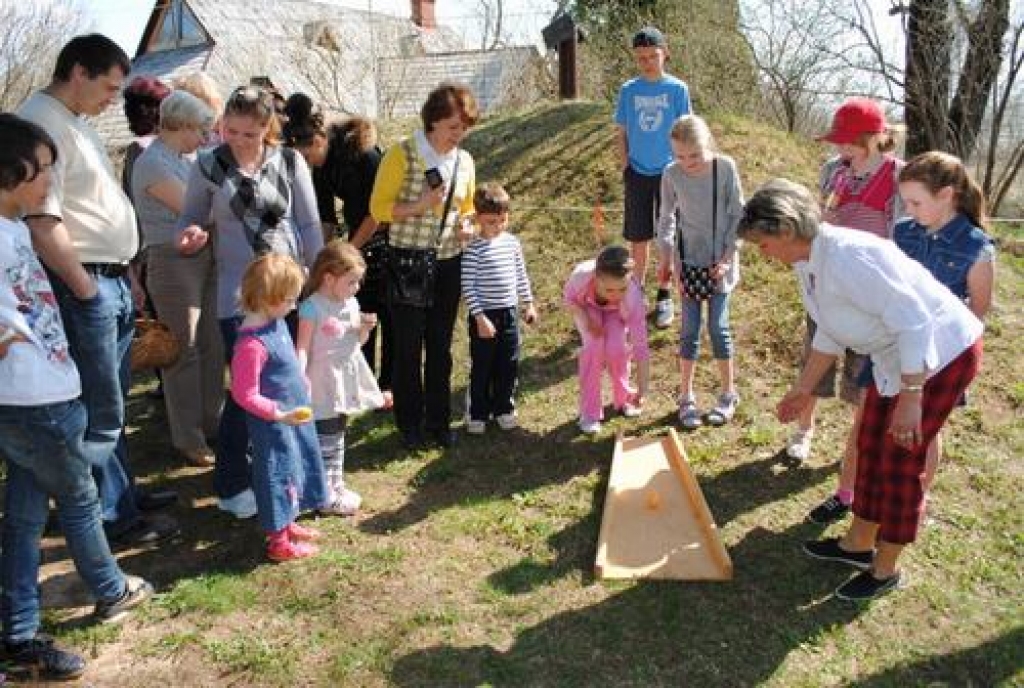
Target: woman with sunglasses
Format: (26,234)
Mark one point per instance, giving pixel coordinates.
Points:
(260,199)
(424,190)
(865,294)
(182,288)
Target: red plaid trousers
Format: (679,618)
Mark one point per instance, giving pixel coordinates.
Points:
(889,488)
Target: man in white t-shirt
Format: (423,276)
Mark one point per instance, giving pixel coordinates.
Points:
(85,233)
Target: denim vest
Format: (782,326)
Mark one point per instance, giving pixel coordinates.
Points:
(948,253)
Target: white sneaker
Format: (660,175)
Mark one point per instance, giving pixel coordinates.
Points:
(242,505)
(799,445)
(590,427)
(631,411)
(476,427)
(664,313)
(507,421)
(346,502)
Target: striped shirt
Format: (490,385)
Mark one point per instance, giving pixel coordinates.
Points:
(494,274)
(870,203)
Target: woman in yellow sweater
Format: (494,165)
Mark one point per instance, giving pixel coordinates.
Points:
(424,191)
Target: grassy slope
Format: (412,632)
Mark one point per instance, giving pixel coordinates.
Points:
(473,567)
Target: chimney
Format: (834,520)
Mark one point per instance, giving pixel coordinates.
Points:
(423,14)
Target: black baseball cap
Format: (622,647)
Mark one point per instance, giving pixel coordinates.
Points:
(649,37)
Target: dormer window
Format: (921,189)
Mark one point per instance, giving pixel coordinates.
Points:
(178,28)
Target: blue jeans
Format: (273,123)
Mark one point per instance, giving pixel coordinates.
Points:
(100,333)
(718,327)
(231,471)
(46,457)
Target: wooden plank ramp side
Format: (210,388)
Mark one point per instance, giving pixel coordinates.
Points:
(698,504)
(655,522)
(602,538)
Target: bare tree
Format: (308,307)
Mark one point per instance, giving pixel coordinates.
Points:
(797,66)
(1005,137)
(33,35)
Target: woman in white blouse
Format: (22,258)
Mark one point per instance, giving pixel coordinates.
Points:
(867,295)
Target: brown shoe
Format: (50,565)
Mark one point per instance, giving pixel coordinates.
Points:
(202,458)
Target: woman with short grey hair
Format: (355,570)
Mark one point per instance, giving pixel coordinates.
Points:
(865,294)
(183,288)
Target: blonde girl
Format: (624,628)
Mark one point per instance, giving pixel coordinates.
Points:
(330,333)
(608,308)
(701,205)
(268,384)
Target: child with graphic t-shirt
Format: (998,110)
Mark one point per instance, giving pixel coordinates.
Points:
(647,106)
(42,429)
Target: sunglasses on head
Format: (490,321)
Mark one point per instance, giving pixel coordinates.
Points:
(249,96)
(754,222)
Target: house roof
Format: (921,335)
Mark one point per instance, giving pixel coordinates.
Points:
(272,39)
(495,77)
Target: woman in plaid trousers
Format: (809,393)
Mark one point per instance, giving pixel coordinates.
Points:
(865,294)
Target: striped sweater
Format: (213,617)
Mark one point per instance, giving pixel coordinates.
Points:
(494,274)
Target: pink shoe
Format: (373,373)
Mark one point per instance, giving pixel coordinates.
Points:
(286,550)
(297,533)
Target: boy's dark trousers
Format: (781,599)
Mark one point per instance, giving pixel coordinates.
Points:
(495,365)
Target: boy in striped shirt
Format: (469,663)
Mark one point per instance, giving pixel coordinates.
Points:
(494,282)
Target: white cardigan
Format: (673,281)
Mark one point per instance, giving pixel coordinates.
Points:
(865,294)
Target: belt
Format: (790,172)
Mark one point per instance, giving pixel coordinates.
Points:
(107,269)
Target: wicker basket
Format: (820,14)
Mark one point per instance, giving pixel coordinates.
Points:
(154,346)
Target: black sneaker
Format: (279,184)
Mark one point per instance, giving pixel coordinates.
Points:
(39,658)
(136,592)
(864,586)
(829,550)
(145,532)
(829,511)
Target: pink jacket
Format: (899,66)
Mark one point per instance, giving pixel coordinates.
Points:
(579,292)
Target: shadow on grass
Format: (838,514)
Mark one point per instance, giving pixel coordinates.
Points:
(496,465)
(988,664)
(663,633)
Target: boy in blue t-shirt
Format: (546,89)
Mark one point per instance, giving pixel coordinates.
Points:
(647,107)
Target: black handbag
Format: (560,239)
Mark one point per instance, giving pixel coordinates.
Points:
(412,272)
(696,281)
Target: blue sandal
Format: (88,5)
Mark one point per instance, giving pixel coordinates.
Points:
(724,409)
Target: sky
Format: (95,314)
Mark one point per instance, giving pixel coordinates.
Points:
(124,20)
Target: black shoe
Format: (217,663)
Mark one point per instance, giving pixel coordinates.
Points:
(443,438)
(829,550)
(157,499)
(145,532)
(135,593)
(864,586)
(829,511)
(39,658)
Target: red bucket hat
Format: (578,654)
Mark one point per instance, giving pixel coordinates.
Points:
(854,118)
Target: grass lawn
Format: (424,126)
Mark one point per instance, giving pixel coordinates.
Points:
(473,567)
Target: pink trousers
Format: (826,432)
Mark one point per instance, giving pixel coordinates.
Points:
(607,350)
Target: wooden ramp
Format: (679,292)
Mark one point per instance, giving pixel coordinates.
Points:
(656,522)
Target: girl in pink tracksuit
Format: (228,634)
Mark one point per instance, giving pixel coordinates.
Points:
(610,313)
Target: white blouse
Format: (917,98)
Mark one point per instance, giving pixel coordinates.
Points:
(865,294)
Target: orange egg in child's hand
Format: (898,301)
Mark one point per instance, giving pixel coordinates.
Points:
(302,414)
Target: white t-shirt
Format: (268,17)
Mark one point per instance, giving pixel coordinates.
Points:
(865,294)
(38,371)
(85,194)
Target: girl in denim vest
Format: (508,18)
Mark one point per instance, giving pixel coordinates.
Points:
(946,235)
(268,384)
